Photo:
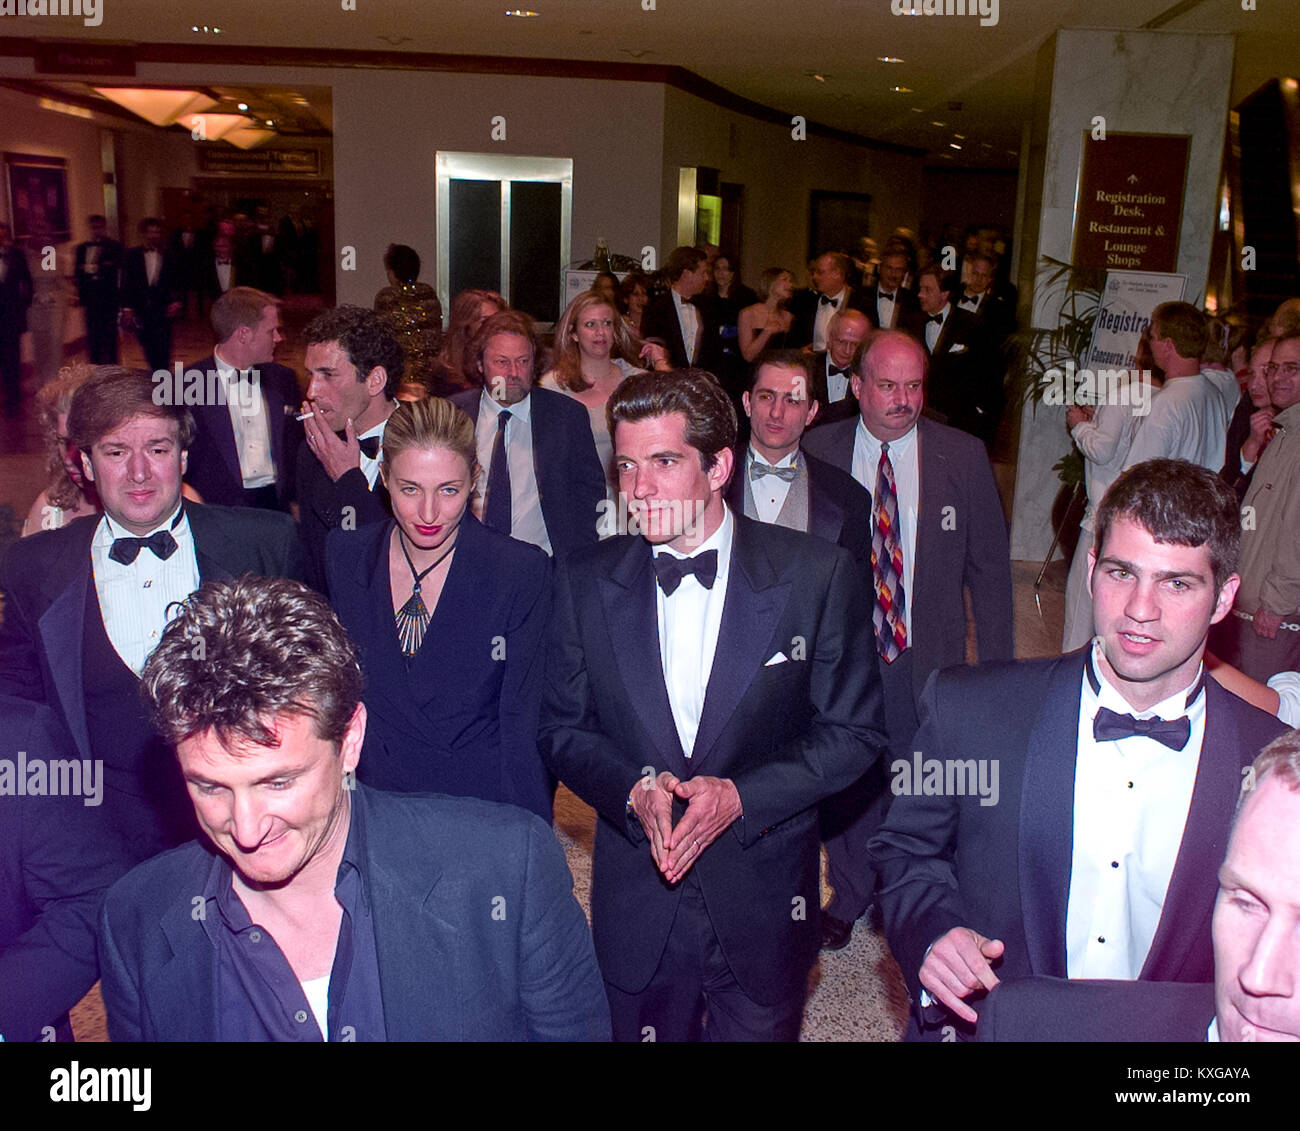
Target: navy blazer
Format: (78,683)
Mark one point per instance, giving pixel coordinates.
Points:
(839,507)
(449,968)
(57,858)
(1004,869)
(462,718)
(45,580)
(788,733)
(961,541)
(213,468)
(570,479)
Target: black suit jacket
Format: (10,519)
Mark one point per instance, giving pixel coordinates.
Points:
(788,734)
(101,288)
(843,409)
(1004,869)
(57,858)
(462,717)
(45,580)
(206,282)
(1084,1009)
(906,307)
(804,304)
(449,969)
(213,468)
(325,504)
(570,479)
(961,542)
(150,303)
(839,508)
(15,292)
(659,321)
(963,383)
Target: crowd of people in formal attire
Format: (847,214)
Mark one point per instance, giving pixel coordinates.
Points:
(718,560)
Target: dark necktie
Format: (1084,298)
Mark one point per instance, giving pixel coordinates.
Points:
(670,570)
(126,550)
(1110,725)
(757,469)
(840,370)
(496,513)
(889,615)
(888,296)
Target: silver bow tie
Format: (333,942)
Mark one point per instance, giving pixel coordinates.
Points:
(758,469)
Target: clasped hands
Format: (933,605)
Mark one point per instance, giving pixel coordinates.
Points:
(712,804)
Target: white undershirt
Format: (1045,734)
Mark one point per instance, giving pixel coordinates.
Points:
(904,457)
(689,622)
(317,992)
(1131,798)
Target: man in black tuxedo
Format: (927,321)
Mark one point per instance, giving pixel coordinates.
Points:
(1066,817)
(934,497)
(86,604)
(994,308)
(189,246)
(386,917)
(97,273)
(216,272)
(544,483)
(889,304)
(354,365)
(151,295)
(831,370)
(831,292)
(1256,991)
(776,480)
(57,858)
(245,440)
(709,681)
(681,319)
(15,298)
(964,383)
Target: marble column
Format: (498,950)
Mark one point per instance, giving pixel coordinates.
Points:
(1159,82)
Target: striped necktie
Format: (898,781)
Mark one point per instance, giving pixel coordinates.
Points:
(887,565)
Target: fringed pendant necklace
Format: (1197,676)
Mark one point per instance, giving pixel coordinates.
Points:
(413,617)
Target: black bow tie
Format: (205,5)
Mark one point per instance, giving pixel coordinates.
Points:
(827,300)
(369,446)
(126,550)
(970,300)
(935,318)
(889,296)
(223,262)
(670,570)
(839,370)
(1110,725)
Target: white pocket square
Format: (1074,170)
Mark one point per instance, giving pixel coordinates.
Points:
(959,347)
(779,658)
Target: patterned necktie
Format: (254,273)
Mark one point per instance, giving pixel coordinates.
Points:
(887,565)
(496,513)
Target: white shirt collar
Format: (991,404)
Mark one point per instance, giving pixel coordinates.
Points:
(110,530)
(1173,707)
(377,430)
(521,411)
(896,447)
(719,540)
(787,460)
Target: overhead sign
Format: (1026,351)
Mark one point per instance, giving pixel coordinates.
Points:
(218,158)
(1130,202)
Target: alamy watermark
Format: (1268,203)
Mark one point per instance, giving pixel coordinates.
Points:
(90,11)
(1126,388)
(181,386)
(987,10)
(60,777)
(950,777)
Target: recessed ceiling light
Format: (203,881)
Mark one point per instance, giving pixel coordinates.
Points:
(901,89)
(888,59)
(938,124)
(960,137)
(522,12)
(269,122)
(917,110)
(243,105)
(953,145)
(816,76)
(216,31)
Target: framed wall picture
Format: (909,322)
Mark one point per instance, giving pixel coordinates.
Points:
(38,199)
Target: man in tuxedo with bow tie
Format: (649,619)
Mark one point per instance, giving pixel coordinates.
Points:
(354,364)
(830,293)
(151,293)
(682,319)
(245,443)
(97,271)
(215,272)
(709,680)
(1114,771)
(831,370)
(889,304)
(85,605)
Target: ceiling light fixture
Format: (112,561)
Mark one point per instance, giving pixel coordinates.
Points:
(953,145)
(243,105)
(901,89)
(524,13)
(888,59)
(161,107)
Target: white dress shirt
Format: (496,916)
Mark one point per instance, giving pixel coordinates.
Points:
(370,467)
(822,320)
(223,275)
(689,622)
(134,599)
(251,424)
(1287,686)
(688,318)
(837,384)
(886,308)
(526,521)
(934,329)
(1131,799)
(770,491)
(904,457)
(152,266)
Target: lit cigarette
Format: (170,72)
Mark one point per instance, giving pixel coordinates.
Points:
(304,415)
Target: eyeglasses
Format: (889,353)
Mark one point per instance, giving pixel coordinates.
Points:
(1288,368)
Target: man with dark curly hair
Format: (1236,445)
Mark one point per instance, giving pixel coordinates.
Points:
(354,364)
(328,910)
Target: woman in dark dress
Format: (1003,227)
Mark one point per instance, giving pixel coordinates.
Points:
(765,324)
(449,618)
(730,297)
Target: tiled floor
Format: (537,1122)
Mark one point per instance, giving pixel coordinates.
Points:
(857,993)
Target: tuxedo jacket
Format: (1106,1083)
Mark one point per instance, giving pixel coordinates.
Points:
(101,288)
(45,579)
(325,504)
(839,507)
(804,306)
(1004,869)
(659,320)
(57,858)
(570,479)
(461,717)
(788,731)
(906,307)
(213,468)
(996,314)
(962,383)
(449,969)
(206,282)
(827,413)
(150,302)
(961,542)
(15,292)
(1084,1009)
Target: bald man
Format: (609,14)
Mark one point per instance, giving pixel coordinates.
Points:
(831,369)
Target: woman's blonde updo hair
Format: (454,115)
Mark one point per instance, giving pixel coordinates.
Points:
(430,422)
(52,399)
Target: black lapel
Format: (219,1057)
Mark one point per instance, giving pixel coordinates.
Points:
(216,420)
(211,551)
(825,515)
(183,990)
